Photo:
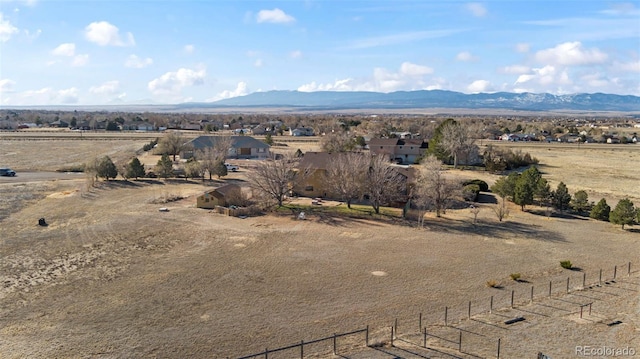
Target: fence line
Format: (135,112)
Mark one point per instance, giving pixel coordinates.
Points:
(302,343)
(509,299)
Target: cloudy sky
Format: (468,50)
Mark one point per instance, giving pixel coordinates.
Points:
(124,52)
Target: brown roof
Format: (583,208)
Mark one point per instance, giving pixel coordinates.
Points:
(225,190)
(383,142)
(317,160)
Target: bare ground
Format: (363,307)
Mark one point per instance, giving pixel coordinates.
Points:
(113,277)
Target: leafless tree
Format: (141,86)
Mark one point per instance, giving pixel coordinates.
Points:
(432,188)
(457,141)
(345,177)
(475,211)
(384,183)
(210,157)
(172,143)
(340,141)
(275,178)
(501,209)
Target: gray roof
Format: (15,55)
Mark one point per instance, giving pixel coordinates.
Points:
(201,142)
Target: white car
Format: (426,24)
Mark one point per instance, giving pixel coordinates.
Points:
(231,167)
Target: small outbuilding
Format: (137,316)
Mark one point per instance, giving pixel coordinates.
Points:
(220,196)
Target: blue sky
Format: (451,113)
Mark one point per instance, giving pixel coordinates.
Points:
(86,52)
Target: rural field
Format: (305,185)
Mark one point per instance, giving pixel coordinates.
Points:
(113,277)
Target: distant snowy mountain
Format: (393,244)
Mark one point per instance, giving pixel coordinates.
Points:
(430,99)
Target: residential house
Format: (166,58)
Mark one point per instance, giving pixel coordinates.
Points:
(241,147)
(317,164)
(59,123)
(301,131)
(220,196)
(402,151)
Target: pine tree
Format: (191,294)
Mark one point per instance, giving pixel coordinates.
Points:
(580,201)
(135,169)
(165,167)
(600,211)
(624,213)
(526,186)
(561,197)
(220,169)
(106,168)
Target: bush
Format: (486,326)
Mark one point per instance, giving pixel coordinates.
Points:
(72,168)
(566,264)
(484,187)
(470,192)
(493,284)
(515,276)
(149,146)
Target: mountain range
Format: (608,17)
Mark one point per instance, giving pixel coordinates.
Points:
(325,100)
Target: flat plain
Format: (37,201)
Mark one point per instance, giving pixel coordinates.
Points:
(112,277)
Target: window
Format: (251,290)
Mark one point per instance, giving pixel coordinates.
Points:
(411,147)
(206,199)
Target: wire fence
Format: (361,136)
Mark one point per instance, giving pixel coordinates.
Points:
(439,330)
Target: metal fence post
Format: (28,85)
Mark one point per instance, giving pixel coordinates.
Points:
(469,314)
(491,305)
(512,294)
(334,344)
(615,270)
(366,337)
(498,356)
(446,313)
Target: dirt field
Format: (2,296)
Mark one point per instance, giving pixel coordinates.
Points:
(112,277)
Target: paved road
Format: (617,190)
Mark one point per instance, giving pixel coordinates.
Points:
(22,177)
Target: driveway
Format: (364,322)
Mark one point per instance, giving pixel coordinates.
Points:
(21,177)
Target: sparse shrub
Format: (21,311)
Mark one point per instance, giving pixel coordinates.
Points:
(149,146)
(470,192)
(493,283)
(71,168)
(515,276)
(566,264)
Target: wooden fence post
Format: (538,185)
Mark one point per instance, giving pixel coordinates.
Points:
(498,356)
(615,270)
(460,342)
(469,314)
(549,288)
(266,353)
(392,336)
(491,305)
(600,278)
(420,322)
(395,326)
(584,280)
(568,284)
(629,270)
(531,294)
(424,342)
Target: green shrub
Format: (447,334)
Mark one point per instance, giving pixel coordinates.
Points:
(566,264)
(71,168)
(484,187)
(493,284)
(515,276)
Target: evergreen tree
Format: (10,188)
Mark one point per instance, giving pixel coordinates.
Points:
(106,168)
(268,139)
(624,213)
(600,211)
(526,186)
(505,186)
(543,192)
(435,143)
(580,201)
(219,169)
(164,168)
(561,197)
(135,169)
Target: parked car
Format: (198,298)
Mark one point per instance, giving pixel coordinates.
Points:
(231,167)
(7,172)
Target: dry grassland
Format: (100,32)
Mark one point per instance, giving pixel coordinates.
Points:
(113,277)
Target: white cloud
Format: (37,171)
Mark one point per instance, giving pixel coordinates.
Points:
(6,29)
(189,49)
(479,86)
(80,60)
(477,9)
(135,62)
(570,53)
(400,38)
(275,16)
(258,63)
(410,69)
(6,85)
(465,56)
(67,49)
(104,33)
(632,66)
(523,47)
(108,88)
(241,90)
(295,54)
(408,77)
(545,78)
(172,82)
(44,96)
(32,36)
(515,69)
